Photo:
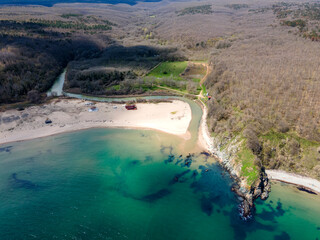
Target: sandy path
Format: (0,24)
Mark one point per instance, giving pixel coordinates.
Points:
(71,115)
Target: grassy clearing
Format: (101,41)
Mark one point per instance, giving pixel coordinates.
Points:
(276,138)
(169,69)
(249,170)
(204,90)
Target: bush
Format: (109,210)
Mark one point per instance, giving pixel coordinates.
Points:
(34,96)
(252,141)
(283,126)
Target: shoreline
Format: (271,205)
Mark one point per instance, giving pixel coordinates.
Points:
(184,136)
(204,138)
(180,128)
(307,183)
(70,115)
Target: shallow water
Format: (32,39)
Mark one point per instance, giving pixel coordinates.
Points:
(131,184)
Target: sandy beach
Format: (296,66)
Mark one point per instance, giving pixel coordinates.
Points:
(306,182)
(204,138)
(73,114)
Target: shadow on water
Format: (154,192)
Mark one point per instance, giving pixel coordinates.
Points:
(6,149)
(210,180)
(166,149)
(155,196)
(22,183)
(273,213)
(177,177)
(134,163)
(282,236)
(206,205)
(214,184)
(241,228)
(148,159)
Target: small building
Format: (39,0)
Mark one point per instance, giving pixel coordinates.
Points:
(131,107)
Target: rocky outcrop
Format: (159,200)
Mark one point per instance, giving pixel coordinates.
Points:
(260,190)
(225,150)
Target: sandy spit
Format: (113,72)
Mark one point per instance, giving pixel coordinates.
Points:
(73,114)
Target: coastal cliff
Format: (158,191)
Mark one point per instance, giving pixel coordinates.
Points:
(251,182)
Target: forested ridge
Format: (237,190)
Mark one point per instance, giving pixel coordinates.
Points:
(266,92)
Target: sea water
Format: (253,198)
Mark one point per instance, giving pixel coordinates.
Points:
(135,184)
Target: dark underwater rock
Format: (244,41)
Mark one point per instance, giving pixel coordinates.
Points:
(306,190)
(156,196)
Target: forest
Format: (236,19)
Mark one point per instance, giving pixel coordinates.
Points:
(32,61)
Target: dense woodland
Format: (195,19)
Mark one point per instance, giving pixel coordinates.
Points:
(33,54)
(34,64)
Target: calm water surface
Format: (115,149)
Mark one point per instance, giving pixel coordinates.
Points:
(133,184)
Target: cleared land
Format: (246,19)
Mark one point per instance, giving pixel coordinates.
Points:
(183,76)
(169,70)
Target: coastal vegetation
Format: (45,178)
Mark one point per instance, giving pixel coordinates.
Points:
(237,6)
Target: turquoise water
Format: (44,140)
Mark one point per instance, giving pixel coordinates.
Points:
(132,184)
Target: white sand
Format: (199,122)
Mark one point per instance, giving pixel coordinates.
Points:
(204,138)
(292,178)
(71,115)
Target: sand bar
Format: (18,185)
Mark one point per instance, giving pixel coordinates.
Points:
(73,114)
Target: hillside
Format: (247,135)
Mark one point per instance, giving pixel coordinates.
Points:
(267,102)
(263,61)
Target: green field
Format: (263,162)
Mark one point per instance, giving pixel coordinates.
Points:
(169,69)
